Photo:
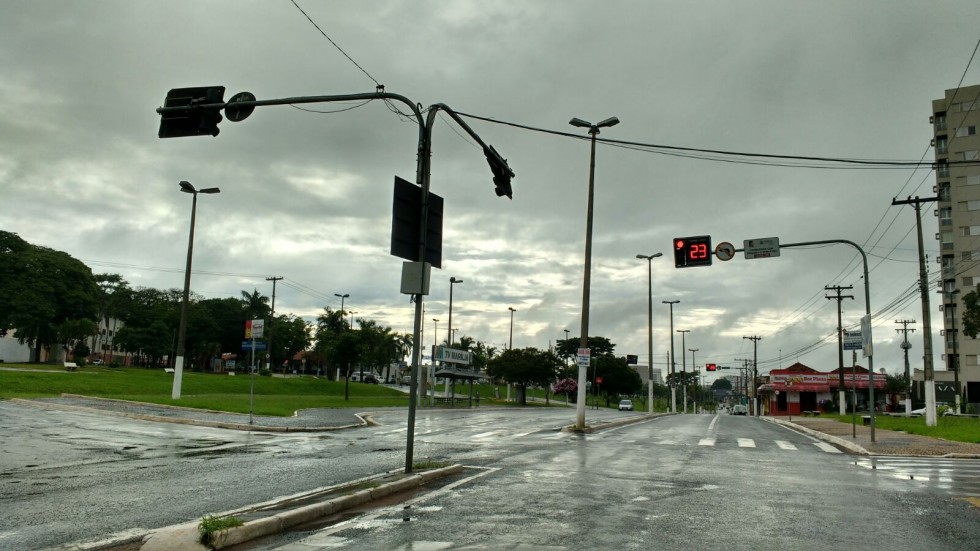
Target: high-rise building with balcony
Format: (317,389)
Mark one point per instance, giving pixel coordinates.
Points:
(955,119)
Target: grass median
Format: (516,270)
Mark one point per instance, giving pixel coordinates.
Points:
(281,396)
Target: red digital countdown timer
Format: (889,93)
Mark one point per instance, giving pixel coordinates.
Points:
(692,251)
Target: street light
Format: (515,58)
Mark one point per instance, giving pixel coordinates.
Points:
(673,362)
(186,187)
(435,331)
(511,345)
(956,357)
(449,338)
(342,313)
(683,333)
(584,342)
(352,319)
(694,369)
(649,260)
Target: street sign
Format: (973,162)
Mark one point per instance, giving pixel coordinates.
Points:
(763,247)
(866,336)
(725,251)
(247,345)
(853,340)
(584,354)
(598,380)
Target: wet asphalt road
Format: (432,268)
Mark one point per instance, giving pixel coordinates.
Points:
(681,482)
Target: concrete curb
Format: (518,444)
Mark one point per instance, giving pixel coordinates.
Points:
(184,421)
(850,446)
(590,429)
(185,536)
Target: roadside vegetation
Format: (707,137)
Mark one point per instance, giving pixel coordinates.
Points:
(948,427)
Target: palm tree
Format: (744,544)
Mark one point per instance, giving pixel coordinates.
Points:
(256,305)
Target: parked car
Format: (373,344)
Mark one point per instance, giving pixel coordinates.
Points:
(367,378)
(739,409)
(625,405)
(99,361)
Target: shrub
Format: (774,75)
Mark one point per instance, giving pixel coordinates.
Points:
(211,524)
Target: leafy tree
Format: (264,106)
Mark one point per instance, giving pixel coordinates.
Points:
(528,366)
(567,386)
(599,346)
(617,377)
(41,289)
(721,384)
(112,289)
(72,335)
(971,314)
(292,336)
(256,305)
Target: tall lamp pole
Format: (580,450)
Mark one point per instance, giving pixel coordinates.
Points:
(584,340)
(649,260)
(683,333)
(186,187)
(673,360)
(511,345)
(956,356)
(343,314)
(449,337)
(272,317)
(694,369)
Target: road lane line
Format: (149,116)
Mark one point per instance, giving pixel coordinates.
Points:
(707,442)
(826,447)
(746,443)
(785,445)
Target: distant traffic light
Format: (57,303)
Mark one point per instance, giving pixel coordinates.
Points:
(711,367)
(192,121)
(692,251)
(501,172)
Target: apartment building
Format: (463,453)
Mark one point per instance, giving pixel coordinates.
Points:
(955,119)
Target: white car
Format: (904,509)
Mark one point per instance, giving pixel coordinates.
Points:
(625,405)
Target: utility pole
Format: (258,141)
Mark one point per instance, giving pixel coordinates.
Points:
(273,279)
(744,387)
(927,370)
(755,371)
(684,333)
(840,343)
(905,348)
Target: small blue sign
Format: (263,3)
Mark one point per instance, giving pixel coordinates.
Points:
(247,345)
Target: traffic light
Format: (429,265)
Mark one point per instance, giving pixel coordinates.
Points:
(501,172)
(692,251)
(192,121)
(711,367)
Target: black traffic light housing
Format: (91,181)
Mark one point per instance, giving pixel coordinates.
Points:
(501,172)
(194,120)
(692,251)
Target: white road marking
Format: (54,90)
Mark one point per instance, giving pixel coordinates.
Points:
(707,442)
(785,445)
(746,443)
(826,447)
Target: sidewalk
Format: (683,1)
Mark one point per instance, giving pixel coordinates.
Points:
(887,442)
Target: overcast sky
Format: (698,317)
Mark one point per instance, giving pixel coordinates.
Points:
(307,196)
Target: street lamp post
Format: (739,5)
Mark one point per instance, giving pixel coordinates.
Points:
(342,313)
(449,337)
(956,357)
(352,319)
(186,187)
(673,361)
(584,340)
(649,260)
(683,333)
(694,369)
(511,345)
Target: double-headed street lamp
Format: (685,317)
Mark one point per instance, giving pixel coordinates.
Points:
(649,260)
(673,362)
(584,341)
(683,333)
(186,187)
(449,337)
(511,345)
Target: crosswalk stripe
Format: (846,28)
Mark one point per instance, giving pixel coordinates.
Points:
(785,445)
(826,447)
(746,443)
(707,442)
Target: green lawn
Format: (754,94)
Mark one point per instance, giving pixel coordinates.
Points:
(273,395)
(959,429)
